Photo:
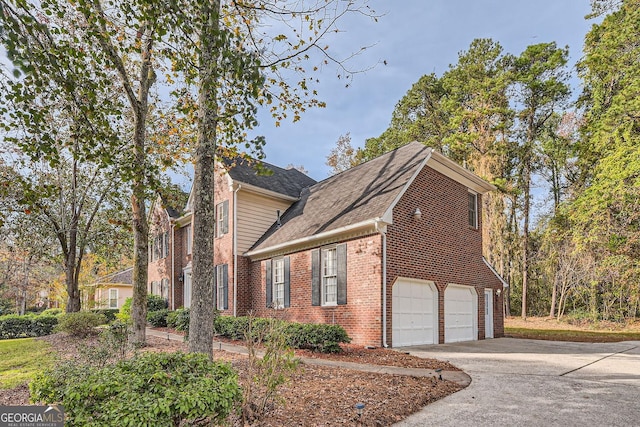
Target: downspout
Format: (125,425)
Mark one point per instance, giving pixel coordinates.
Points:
(383,233)
(173,265)
(235,250)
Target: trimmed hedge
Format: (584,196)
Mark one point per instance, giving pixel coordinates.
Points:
(14,326)
(158,318)
(317,337)
(80,324)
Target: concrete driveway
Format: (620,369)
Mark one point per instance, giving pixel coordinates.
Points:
(537,383)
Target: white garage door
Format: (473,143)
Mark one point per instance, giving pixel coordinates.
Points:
(414,313)
(460,313)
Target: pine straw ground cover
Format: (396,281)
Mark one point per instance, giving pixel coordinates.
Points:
(317,395)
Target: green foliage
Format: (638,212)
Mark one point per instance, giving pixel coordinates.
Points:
(158,318)
(53,311)
(313,336)
(156,302)
(80,324)
(108,313)
(150,389)
(179,320)
(124,315)
(14,326)
(111,346)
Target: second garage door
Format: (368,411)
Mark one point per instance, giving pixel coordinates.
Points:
(460,313)
(414,313)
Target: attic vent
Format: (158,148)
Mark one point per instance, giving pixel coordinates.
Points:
(278,223)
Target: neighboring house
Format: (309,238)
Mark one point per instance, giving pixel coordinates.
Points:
(390,249)
(112,290)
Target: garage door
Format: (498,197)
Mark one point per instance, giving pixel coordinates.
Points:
(460,313)
(414,313)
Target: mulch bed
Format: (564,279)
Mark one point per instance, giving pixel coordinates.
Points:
(315,395)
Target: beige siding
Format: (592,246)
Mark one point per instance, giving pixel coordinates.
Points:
(256,213)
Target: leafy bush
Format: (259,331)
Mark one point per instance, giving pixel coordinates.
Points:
(150,389)
(52,312)
(156,302)
(158,318)
(14,326)
(80,324)
(316,337)
(179,319)
(108,313)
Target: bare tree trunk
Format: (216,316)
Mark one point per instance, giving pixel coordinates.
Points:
(525,233)
(554,294)
(202,302)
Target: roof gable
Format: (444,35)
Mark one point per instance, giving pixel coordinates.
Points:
(360,194)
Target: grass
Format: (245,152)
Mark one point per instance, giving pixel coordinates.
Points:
(21,359)
(571,335)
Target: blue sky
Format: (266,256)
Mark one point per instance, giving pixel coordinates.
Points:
(415,37)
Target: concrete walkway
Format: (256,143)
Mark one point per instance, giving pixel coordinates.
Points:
(456,376)
(537,383)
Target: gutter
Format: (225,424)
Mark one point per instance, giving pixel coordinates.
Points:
(309,240)
(235,250)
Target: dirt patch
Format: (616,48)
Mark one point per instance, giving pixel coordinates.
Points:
(315,395)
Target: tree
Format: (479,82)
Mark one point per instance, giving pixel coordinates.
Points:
(342,156)
(240,66)
(541,88)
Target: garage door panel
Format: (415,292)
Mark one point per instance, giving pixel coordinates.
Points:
(414,318)
(460,312)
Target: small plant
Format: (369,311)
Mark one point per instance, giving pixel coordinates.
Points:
(80,324)
(168,389)
(269,372)
(112,345)
(158,318)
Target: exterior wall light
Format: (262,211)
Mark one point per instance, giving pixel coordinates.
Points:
(498,292)
(417,215)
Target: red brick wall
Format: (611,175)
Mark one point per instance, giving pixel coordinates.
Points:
(361,316)
(160,268)
(223,245)
(441,246)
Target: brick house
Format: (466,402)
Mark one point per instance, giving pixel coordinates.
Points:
(390,249)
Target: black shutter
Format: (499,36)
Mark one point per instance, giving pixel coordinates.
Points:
(225,282)
(315,277)
(166,244)
(215,287)
(225,217)
(287,286)
(341,255)
(268,281)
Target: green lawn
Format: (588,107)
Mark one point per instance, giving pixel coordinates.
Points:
(571,335)
(20,359)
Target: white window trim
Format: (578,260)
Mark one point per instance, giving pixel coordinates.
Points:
(277,303)
(187,285)
(219,219)
(189,234)
(323,277)
(220,287)
(116,298)
(475,200)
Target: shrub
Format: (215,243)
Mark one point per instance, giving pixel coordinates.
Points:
(150,389)
(52,312)
(316,337)
(158,318)
(14,326)
(179,319)
(156,302)
(108,313)
(80,324)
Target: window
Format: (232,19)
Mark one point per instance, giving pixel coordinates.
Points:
(189,238)
(329,276)
(160,246)
(222,286)
(113,298)
(164,289)
(155,288)
(222,218)
(473,210)
(277,283)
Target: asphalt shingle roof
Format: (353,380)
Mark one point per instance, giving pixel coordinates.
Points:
(361,193)
(288,182)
